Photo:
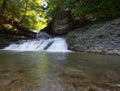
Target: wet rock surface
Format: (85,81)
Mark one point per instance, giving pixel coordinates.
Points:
(8,37)
(101,38)
(43,35)
(6,40)
(61,23)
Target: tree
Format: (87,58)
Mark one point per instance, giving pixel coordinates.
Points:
(25,11)
(92,9)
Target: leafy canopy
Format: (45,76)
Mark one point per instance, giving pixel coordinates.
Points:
(35,14)
(30,12)
(93,9)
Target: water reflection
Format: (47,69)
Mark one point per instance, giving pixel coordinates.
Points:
(22,69)
(42,71)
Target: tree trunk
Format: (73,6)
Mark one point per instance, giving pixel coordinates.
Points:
(3,7)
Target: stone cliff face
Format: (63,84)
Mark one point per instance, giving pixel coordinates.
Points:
(101,38)
(63,22)
(61,26)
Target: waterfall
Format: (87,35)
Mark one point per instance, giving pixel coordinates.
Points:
(51,45)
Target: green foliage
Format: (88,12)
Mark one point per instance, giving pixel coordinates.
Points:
(93,9)
(26,11)
(33,14)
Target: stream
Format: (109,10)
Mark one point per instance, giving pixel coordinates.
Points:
(24,69)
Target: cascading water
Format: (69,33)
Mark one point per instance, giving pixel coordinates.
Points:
(51,45)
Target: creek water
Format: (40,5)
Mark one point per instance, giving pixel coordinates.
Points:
(44,71)
(58,71)
(50,45)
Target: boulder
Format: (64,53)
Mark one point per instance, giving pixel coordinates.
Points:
(43,35)
(61,26)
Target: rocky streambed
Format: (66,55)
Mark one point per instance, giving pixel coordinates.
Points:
(100,38)
(45,71)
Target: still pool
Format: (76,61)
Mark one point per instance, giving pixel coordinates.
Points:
(55,71)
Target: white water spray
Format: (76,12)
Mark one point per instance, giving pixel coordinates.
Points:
(51,45)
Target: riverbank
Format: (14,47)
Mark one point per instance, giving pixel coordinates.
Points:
(7,39)
(98,38)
